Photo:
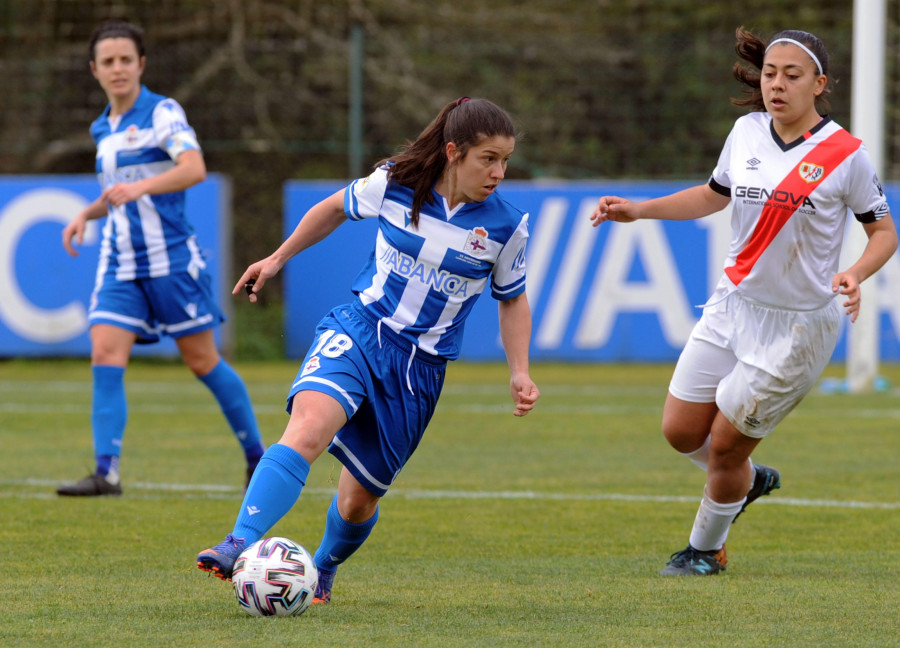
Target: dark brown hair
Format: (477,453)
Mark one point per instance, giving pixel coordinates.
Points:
(116,29)
(752,49)
(465,122)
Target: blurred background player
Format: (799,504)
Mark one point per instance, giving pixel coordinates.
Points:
(371,380)
(771,325)
(151,277)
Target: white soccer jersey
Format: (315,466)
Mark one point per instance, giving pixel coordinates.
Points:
(423,281)
(790,204)
(151,236)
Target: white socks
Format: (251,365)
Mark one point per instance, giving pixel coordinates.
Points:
(713,519)
(700,456)
(712,523)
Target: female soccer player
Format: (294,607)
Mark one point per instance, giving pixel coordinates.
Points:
(371,379)
(771,325)
(151,278)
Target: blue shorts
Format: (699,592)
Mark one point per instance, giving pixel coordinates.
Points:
(388,389)
(174,305)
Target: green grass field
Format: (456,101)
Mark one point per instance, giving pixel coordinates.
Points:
(543,531)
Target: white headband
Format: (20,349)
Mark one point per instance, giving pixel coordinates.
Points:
(801,46)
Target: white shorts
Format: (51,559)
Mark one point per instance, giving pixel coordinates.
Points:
(756,362)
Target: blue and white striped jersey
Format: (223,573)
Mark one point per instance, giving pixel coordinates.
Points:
(423,282)
(151,236)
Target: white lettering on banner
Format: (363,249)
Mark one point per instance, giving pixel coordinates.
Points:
(570,278)
(17,312)
(543,242)
(611,293)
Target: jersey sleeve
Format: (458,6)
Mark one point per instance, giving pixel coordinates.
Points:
(363,197)
(171,128)
(720,180)
(508,277)
(865,195)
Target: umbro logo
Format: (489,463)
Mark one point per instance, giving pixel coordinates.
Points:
(753,164)
(252,510)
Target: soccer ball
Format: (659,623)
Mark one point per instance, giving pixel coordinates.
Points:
(275,577)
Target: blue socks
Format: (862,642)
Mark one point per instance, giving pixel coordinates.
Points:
(231,393)
(341,538)
(273,490)
(109,411)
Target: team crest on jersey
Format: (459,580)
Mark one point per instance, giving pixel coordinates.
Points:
(311,366)
(131,135)
(811,172)
(476,243)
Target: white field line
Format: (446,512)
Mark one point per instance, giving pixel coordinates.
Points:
(498,409)
(146,490)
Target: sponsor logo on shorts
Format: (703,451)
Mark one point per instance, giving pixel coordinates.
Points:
(751,422)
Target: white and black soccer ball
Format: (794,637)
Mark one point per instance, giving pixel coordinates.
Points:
(275,577)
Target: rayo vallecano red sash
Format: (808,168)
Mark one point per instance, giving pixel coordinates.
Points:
(803,180)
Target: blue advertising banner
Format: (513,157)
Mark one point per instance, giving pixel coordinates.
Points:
(618,293)
(44,292)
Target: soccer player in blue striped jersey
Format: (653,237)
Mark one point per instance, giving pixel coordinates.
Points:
(151,277)
(372,377)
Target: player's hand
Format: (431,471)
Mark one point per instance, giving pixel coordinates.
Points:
(524,394)
(124,192)
(847,284)
(74,230)
(613,208)
(255,277)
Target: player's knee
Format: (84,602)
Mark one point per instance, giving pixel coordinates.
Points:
(357,507)
(683,438)
(726,457)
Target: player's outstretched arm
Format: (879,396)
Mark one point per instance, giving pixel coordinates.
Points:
(320,221)
(614,208)
(515,331)
(688,204)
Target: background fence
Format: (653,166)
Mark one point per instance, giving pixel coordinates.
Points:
(613,89)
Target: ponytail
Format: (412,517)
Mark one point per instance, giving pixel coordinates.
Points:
(752,49)
(420,164)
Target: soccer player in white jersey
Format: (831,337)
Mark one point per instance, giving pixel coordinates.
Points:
(371,379)
(151,278)
(768,331)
